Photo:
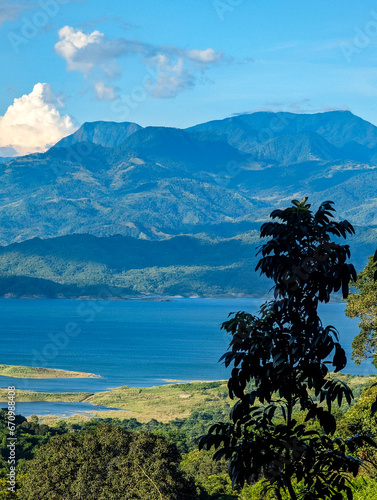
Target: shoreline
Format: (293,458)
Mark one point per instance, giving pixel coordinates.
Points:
(163,403)
(173,298)
(35,372)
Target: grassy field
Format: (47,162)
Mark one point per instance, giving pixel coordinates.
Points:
(163,403)
(30,396)
(34,372)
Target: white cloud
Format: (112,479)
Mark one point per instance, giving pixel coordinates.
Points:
(96,56)
(207,56)
(94,51)
(171,78)
(71,44)
(104,93)
(33,122)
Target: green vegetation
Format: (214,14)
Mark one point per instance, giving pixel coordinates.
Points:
(210,477)
(284,352)
(166,402)
(30,396)
(81,265)
(276,442)
(363,305)
(215,178)
(35,372)
(106,463)
(30,436)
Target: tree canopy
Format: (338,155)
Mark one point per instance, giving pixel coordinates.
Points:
(106,463)
(363,305)
(286,352)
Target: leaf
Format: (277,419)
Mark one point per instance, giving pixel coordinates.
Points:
(328,422)
(219,454)
(340,358)
(349,493)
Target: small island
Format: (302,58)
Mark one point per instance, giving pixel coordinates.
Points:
(16,371)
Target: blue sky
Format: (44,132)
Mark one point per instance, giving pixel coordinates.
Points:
(178,63)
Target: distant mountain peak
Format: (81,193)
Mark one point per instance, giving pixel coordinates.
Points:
(102,133)
(178,146)
(218,176)
(337,127)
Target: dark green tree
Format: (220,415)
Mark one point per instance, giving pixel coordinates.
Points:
(363,305)
(286,352)
(106,463)
(359,419)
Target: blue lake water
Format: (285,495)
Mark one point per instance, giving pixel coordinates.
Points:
(134,343)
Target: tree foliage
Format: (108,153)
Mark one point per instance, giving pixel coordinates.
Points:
(106,463)
(360,419)
(363,305)
(285,351)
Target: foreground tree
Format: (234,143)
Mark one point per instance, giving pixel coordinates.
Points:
(285,353)
(359,419)
(106,463)
(363,305)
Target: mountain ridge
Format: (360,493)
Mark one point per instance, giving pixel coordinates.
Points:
(120,267)
(219,177)
(335,126)
(107,134)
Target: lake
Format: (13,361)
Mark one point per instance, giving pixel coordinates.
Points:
(134,343)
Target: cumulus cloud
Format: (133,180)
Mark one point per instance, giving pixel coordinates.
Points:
(33,122)
(74,42)
(96,56)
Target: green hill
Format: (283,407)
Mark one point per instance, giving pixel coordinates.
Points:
(82,265)
(118,266)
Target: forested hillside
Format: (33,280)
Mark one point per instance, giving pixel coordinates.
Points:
(220,178)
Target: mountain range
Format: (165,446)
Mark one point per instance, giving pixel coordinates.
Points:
(214,182)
